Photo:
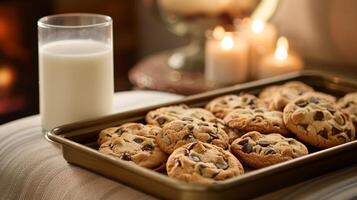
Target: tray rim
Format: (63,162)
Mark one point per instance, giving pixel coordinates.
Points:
(251,176)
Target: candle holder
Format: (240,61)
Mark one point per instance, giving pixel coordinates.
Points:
(191,18)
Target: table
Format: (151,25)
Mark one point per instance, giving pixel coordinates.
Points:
(33,168)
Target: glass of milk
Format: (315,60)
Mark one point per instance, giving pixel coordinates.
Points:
(75,68)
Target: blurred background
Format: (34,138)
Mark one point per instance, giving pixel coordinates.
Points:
(323,31)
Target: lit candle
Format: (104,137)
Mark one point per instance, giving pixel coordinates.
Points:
(261,37)
(280,62)
(226,58)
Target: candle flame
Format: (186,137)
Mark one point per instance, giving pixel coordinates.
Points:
(7,76)
(257,26)
(282,47)
(218,32)
(227,42)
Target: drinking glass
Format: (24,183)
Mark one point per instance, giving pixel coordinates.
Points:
(75,68)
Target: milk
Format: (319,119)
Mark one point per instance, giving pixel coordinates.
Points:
(76,81)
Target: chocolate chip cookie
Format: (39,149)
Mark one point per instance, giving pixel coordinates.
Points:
(277,96)
(349,104)
(258,119)
(164,115)
(318,121)
(202,163)
(256,150)
(134,128)
(221,106)
(136,143)
(179,132)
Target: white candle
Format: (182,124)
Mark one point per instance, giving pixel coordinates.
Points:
(280,62)
(261,37)
(226,58)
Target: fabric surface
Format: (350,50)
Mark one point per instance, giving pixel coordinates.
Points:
(33,168)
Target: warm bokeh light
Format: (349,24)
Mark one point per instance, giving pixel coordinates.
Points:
(257,26)
(218,32)
(282,48)
(7,77)
(227,42)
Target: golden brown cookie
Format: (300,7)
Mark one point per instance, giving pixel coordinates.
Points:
(164,115)
(179,132)
(221,106)
(203,163)
(134,128)
(348,103)
(258,119)
(259,150)
(318,121)
(136,143)
(277,96)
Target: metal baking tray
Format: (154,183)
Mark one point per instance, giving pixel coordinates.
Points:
(79,147)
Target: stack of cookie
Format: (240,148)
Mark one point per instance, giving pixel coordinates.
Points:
(213,144)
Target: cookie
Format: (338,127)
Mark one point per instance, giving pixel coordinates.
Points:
(202,163)
(136,143)
(165,115)
(318,121)
(348,103)
(221,106)
(256,150)
(259,119)
(276,97)
(178,133)
(134,128)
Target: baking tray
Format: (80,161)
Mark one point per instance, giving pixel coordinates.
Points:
(79,147)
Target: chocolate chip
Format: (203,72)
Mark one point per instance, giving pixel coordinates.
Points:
(314,100)
(252,102)
(190,128)
(138,140)
(161,120)
(247,148)
(263,143)
(188,137)
(178,162)
(202,124)
(223,165)
(126,156)
(203,119)
(194,158)
(323,133)
(120,131)
(212,136)
(147,147)
(235,107)
(301,103)
(243,142)
(319,116)
(335,131)
(303,126)
(270,151)
(187,152)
